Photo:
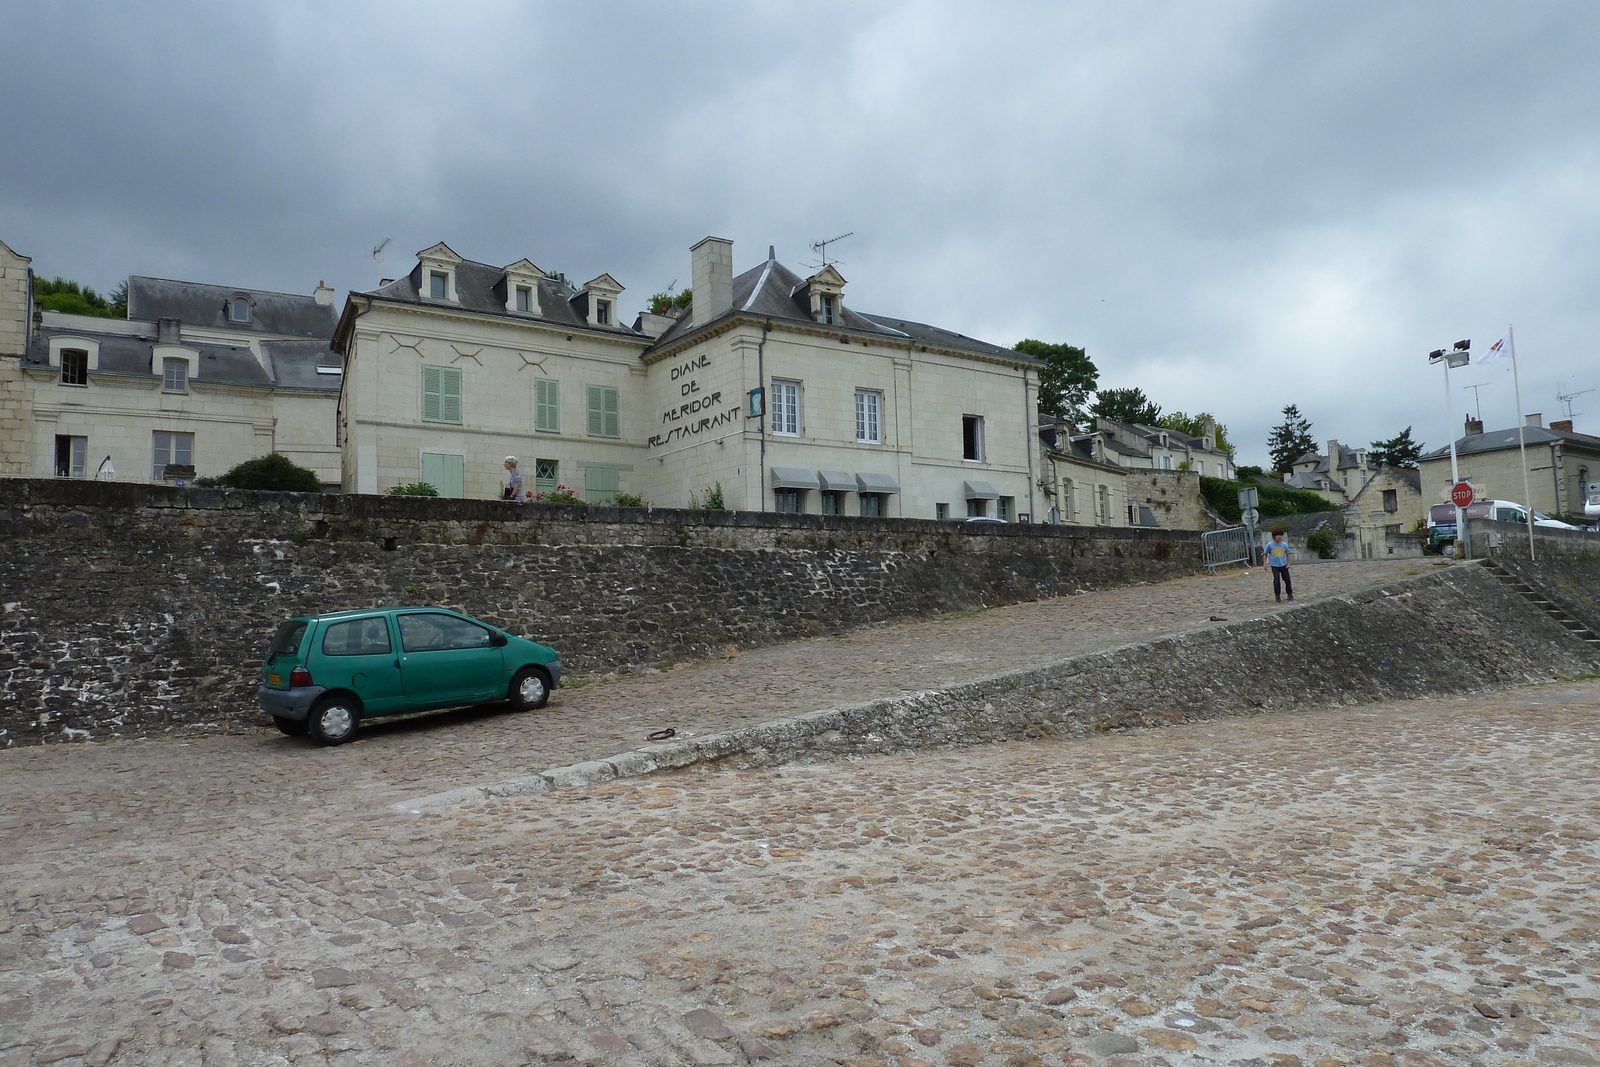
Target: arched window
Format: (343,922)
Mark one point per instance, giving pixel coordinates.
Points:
(238,310)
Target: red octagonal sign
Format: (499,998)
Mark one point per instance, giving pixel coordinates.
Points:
(1461,494)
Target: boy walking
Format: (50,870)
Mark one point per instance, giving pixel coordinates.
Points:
(1276,557)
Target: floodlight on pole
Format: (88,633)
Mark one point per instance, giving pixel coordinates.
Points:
(1458,356)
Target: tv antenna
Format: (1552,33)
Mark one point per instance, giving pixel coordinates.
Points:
(1568,398)
(821,247)
(1476,400)
(377,256)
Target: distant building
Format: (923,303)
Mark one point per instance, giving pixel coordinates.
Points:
(1078,488)
(1388,505)
(1337,475)
(1559,463)
(1140,447)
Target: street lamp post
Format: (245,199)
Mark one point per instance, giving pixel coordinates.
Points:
(1458,355)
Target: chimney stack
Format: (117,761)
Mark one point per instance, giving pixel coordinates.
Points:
(1562,425)
(1474,426)
(323,294)
(1333,458)
(169,332)
(1536,419)
(712,272)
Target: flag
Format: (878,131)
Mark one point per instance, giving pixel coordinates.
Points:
(1495,351)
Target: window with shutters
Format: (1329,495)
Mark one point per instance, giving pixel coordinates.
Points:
(446,472)
(441,394)
(547,405)
(604,420)
(786,409)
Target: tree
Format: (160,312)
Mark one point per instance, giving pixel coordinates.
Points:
(273,471)
(667,303)
(1398,451)
(1195,426)
(1290,440)
(1065,382)
(1126,405)
(60,294)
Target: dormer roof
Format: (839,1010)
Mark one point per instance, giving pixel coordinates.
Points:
(826,279)
(522,267)
(604,284)
(439,253)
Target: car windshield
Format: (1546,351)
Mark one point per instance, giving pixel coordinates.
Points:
(286,642)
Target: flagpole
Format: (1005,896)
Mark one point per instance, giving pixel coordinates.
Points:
(1522,437)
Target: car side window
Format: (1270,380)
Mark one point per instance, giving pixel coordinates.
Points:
(429,633)
(357,637)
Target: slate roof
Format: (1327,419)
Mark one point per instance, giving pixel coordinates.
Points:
(120,354)
(772,290)
(481,287)
(199,304)
(1347,460)
(1496,440)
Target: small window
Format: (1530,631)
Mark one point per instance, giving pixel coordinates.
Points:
(788,501)
(604,416)
(72,456)
(1391,500)
(977,507)
(524,298)
(171,449)
(547,405)
(546,475)
(357,637)
(175,375)
(74,366)
(972,438)
(602,312)
(427,632)
(832,502)
(941,511)
(872,505)
(829,309)
(1006,508)
(238,310)
(438,285)
(869,428)
(786,409)
(441,394)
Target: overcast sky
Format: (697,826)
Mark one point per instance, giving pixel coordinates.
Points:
(1234,206)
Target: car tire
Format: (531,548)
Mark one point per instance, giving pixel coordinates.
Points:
(292,727)
(530,689)
(334,720)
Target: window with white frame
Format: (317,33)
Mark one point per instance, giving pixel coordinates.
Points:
(239,310)
(547,405)
(869,423)
(72,456)
(438,285)
(602,312)
(170,449)
(441,395)
(786,409)
(524,298)
(972,438)
(175,375)
(830,308)
(74,366)
(941,511)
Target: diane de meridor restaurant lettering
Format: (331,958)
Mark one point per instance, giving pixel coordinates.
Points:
(699,411)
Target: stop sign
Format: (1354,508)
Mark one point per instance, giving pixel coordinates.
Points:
(1461,494)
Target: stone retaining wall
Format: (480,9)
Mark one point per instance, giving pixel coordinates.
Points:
(136,610)
(1455,631)
(1509,541)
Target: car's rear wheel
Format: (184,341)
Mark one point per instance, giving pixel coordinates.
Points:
(530,689)
(292,727)
(334,720)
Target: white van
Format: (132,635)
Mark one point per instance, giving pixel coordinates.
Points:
(1442,518)
(1591,500)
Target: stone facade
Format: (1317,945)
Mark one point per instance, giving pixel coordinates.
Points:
(16,297)
(1389,504)
(1558,463)
(1173,497)
(134,610)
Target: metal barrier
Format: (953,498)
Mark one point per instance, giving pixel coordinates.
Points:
(1218,548)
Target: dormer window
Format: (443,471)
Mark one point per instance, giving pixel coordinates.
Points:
(175,375)
(524,298)
(825,291)
(438,285)
(74,366)
(600,295)
(239,310)
(602,312)
(829,306)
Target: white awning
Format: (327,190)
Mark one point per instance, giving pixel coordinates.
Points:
(876,483)
(793,478)
(837,481)
(980,491)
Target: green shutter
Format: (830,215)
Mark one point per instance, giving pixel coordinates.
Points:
(547,405)
(600,484)
(445,473)
(432,400)
(604,417)
(450,381)
(613,417)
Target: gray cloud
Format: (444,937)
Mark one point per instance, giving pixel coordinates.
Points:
(1232,205)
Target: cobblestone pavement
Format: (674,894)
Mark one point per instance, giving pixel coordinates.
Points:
(1409,885)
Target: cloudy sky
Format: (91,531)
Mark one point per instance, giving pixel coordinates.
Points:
(1232,205)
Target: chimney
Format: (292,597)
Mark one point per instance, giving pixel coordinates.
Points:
(712,271)
(1333,457)
(1562,425)
(1208,435)
(169,332)
(1474,426)
(1536,419)
(323,294)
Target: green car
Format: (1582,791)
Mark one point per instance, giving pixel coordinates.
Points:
(325,673)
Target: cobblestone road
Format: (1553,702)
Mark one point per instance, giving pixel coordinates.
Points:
(1408,885)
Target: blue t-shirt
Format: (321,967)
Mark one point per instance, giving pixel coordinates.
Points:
(1278,553)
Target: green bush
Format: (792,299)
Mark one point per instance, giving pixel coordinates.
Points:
(1223,495)
(412,489)
(560,495)
(273,472)
(628,500)
(1324,543)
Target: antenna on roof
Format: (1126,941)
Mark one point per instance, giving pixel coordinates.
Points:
(1568,398)
(672,285)
(821,247)
(1476,399)
(377,255)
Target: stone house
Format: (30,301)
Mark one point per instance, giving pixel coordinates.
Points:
(197,379)
(1388,505)
(1560,461)
(1338,479)
(770,386)
(1140,447)
(1078,488)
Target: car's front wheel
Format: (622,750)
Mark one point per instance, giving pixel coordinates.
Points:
(292,727)
(530,689)
(334,720)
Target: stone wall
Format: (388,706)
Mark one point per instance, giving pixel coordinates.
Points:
(1455,631)
(1509,541)
(133,610)
(1173,497)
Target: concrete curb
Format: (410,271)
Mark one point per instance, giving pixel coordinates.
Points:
(1147,690)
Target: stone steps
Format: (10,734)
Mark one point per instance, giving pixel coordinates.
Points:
(1540,601)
